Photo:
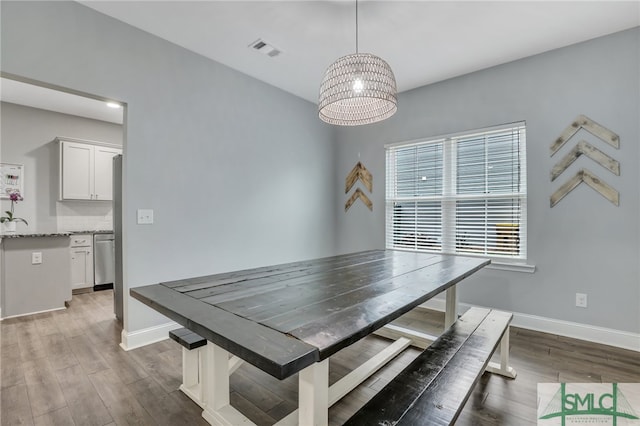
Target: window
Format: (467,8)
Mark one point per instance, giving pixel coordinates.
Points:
(465,194)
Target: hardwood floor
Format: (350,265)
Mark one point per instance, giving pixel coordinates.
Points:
(66,368)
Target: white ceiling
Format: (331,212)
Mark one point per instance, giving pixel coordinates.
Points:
(423,41)
(20,93)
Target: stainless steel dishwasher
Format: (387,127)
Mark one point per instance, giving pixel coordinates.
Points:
(103,261)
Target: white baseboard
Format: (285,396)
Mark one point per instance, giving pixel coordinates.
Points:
(146,336)
(590,333)
(30,313)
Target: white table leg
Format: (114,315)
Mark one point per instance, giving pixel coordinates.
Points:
(217,409)
(451,306)
(217,373)
(352,380)
(313,398)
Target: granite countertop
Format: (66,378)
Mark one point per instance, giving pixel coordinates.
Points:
(36,235)
(54,234)
(93,231)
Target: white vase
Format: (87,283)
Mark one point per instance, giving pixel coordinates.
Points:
(9,227)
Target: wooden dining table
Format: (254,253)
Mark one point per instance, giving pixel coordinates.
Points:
(291,318)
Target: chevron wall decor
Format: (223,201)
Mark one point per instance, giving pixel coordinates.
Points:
(590,179)
(358,194)
(358,173)
(584,122)
(590,151)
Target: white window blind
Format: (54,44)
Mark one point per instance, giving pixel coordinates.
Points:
(464,194)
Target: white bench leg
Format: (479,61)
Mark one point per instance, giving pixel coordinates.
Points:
(193,373)
(503,367)
(451,307)
(192,368)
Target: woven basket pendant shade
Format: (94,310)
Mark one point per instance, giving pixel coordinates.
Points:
(357,89)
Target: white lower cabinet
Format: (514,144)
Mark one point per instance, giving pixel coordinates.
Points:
(81,261)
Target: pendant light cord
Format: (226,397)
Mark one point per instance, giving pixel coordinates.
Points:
(356,26)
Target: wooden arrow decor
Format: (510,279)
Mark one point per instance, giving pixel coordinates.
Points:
(584,122)
(358,172)
(590,179)
(358,194)
(590,151)
(583,147)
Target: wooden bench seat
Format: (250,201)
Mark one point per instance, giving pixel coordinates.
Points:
(187,338)
(435,386)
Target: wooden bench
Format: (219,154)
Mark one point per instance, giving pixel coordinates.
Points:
(193,359)
(435,386)
(194,364)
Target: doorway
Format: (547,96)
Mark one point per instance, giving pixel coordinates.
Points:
(38,120)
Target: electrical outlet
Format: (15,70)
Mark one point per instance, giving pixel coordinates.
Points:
(145,217)
(581,300)
(36,258)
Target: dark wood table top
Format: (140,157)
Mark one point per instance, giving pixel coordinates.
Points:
(284,318)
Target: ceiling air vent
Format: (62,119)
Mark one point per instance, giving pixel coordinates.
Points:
(265,48)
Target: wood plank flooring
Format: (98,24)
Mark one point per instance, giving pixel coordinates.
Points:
(66,368)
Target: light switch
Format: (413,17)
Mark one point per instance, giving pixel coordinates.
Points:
(36,258)
(145,216)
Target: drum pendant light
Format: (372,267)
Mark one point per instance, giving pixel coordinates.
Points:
(357,89)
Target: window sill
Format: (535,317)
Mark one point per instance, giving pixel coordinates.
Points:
(499,264)
(512,267)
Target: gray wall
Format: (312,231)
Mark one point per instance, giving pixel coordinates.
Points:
(239,173)
(26,138)
(584,244)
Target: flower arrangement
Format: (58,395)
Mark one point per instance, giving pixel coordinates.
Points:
(14,197)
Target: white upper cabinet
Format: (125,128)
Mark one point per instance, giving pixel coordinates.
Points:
(103,172)
(86,170)
(77,168)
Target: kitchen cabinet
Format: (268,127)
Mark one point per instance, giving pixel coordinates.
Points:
(81,261)
(86,170)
